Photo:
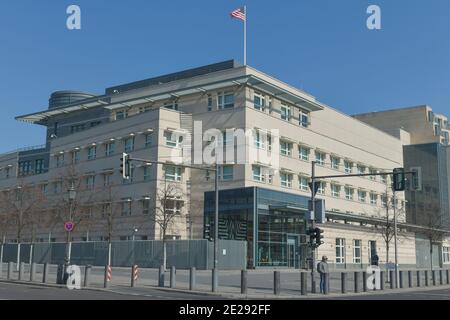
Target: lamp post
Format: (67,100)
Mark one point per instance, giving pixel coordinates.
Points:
(72,195)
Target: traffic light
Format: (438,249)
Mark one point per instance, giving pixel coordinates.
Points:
(125,168)
(312,236)
(208,232)
(318,237)
(399,179)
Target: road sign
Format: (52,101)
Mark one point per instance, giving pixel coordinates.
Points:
(69,226)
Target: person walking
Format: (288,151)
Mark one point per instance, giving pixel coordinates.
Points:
(322,268)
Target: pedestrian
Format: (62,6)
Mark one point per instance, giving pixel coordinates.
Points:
(322,268)
(375,259)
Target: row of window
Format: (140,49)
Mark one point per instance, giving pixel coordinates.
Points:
(357,251)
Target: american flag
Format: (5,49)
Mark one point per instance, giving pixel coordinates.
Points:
(239,13)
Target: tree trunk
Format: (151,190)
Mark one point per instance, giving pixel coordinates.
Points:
(431,254)
(18,256)
(164,254)
(109,252)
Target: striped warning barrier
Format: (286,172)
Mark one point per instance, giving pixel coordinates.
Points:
(135,272)
(109,274)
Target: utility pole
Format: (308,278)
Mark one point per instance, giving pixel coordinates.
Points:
(216,228)
(313,224)
(397,285)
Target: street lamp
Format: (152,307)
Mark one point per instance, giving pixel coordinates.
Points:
(72,195)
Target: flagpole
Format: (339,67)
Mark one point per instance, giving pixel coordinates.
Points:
(245,36)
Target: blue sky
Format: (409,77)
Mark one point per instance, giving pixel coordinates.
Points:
(322,46)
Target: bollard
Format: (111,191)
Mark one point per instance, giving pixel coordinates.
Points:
(107,276)
(161,275)
(418,279)
(433,277)
(244,282)
(364,277)
(10,270)
(215,280)
(45,273)
(441,277)
(400,279)
(134,275)
(33,272)
(276,282)
(344,282)
(426,279)
(21,271)
(1,270)
(382,274)
(392,278)
(356,280)
(448,276)
(410,279)
(87,275)
(303,283)
(192,275)
(173,274)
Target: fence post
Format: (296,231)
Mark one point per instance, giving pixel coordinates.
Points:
(161,275)
(192,279)
(433,277)
(427,280)
(418,279)
(382,279)
(243,281)
(356,280)
(10,270)
(21,271)
(344,282)
(364,279)
(87,276)
(392,278)
(400,279)
(276,282)
(1,269)
(441,277)
(45,273)
(173,274)
(448,276)
(303,283)
(33,272)
(410,279)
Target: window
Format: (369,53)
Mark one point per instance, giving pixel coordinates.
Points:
(360,169)
(147,173)
(340,251)
(348,166)
(90,182)
(171,139)
(24,168)
(373,199)
(106,209)
(172,173)
(335,162)
(174,206)
(259,141)
(285,148)
(171,106)
(286,179)
(129,144)
(226,173)
(110,149)
(76,156)
(225,100)
(357,251)
(446,254)
(285,113)
(131,179)
(57,187)
(210,102)
(7,172)
(320,158)
(228,137)
(384,179)
(59,160)
(259,101)
(362,196)
(39,166)
(121,114)
(373,171)
(303,119)
(44,188)
(145,206)
(303,153)
(322,187)
(77,128)
(303,183)
(257,174)
(107,179)
(148,140)
(126,207)
(335,190)
(92,153)
(349,192)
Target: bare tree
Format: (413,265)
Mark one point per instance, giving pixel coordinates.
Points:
(22,206)
(168,209)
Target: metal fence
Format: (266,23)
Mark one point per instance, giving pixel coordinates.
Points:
(183,254)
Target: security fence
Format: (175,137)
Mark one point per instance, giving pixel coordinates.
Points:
(183,254)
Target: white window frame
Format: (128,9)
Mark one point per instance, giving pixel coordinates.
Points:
(303,183)
(221,100)
(92,153)
(262,101)
(321,158)
(340,248)
(176,176)
(349,193)
(285,112)
(348,166)
(362,196)
(335,190)
(373,201)
(260,177)
(226,177)
(335,162)
(285,148)
(286,179)
(301,116)
(304,156)
(129,144)
(357,244)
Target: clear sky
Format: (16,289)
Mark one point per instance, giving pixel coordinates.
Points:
(321,46)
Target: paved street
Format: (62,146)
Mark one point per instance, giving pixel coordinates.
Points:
(440,294)
(12,291)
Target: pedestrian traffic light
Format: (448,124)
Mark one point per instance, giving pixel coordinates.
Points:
(318,237)
(207,232)
(125,168)
(399,179)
